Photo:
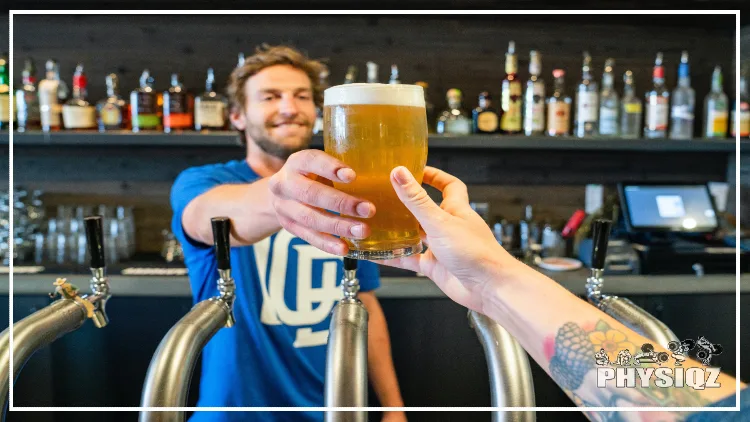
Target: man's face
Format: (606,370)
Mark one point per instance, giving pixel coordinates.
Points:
(279,110)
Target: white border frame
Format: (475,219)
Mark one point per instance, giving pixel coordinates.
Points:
(388,12)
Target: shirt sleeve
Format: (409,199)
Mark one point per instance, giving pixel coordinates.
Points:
(728,416)
(190,184)
(368,274)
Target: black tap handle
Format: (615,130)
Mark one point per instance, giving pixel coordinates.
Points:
(350,264)
(600,238)
(221,226)
(95,240)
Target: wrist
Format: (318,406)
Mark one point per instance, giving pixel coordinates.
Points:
(510,284)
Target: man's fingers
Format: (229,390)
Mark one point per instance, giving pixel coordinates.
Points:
(312,161)
(321,221)
(452,187)
(324,242)
(302,189)
(416,199)
(410,263)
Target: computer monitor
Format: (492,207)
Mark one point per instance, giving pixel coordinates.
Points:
(668,208)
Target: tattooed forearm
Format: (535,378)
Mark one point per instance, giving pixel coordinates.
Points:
(575,353)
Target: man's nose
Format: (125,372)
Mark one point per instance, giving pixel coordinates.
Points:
(288,106)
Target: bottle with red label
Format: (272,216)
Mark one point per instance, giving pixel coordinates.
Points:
(77,113)
(657,103)
(744,114)
(178,107)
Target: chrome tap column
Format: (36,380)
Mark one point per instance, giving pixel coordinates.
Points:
(346,358)
(59,318)
(169,374)
(621,309)
(511,384)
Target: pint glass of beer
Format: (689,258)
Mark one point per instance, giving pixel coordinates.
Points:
(374,128)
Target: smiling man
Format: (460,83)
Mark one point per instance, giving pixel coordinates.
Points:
(275,354)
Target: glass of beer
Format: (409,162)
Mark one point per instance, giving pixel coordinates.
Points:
(374,128)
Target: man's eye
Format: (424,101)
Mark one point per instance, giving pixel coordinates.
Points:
(267,98)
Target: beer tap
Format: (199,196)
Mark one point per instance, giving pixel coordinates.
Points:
(619,308)
(346,356)
(511,384)
(171,369)
(62,316)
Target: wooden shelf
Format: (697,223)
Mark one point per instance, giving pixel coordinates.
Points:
(499,142)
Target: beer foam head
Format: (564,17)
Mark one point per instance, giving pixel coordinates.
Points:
(385,94)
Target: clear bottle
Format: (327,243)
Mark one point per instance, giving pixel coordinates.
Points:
(533,114)
(78,113)
(177,106)
(510,122)
(744,112)
(240,59)
(630,110)
(657,103)
(609,102)
(372,73)
(485,118)
(112,111)
(454,120)
(394,75)
(683,103)
(558,107)
(27,99)
(144,110)
(716,108)
(587,102)
(53,93)
(4,94)
(210,107)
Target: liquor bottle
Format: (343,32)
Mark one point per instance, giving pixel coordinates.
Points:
(112,111)
(240,59)
(609,103)
(631,109)
(716,108)
(683,103)
(177,108)
(558,107)
(533,114)
(454,120)
(394,75)
(484,118)
(77,113)
(744,112)
(587,102)
(4,95)
(318,126)
(372,73)
(210,107)
(27,99)
(53,92)
(351,75)
(510,122)
(144,110)
(428,105)
(657,103)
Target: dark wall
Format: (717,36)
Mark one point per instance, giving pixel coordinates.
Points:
(446,51)
(438,359)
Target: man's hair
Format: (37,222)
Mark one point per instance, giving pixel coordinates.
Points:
(267,56)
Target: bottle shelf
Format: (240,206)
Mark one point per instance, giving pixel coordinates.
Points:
(230,139)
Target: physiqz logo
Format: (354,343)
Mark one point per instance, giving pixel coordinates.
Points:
(628,368)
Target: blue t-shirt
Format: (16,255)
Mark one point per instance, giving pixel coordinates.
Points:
(274,356)
(743,415)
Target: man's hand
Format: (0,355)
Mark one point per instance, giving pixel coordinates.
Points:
(395,416)
(301,198)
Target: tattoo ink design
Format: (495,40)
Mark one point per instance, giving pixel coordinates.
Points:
(572,359)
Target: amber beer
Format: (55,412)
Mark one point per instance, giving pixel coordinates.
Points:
(374,128)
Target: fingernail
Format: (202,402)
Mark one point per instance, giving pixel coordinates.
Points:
(402,175)
(345,174)
(365,209)
(358,231)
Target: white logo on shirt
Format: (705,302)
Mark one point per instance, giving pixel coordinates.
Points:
(274,310)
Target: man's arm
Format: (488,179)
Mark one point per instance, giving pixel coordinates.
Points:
(247,205)
(379,361)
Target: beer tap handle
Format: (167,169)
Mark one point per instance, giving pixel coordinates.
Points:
(600,238)
(350,264)
(95,240)
(221,227)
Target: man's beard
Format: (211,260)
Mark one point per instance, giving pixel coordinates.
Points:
(260,135)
